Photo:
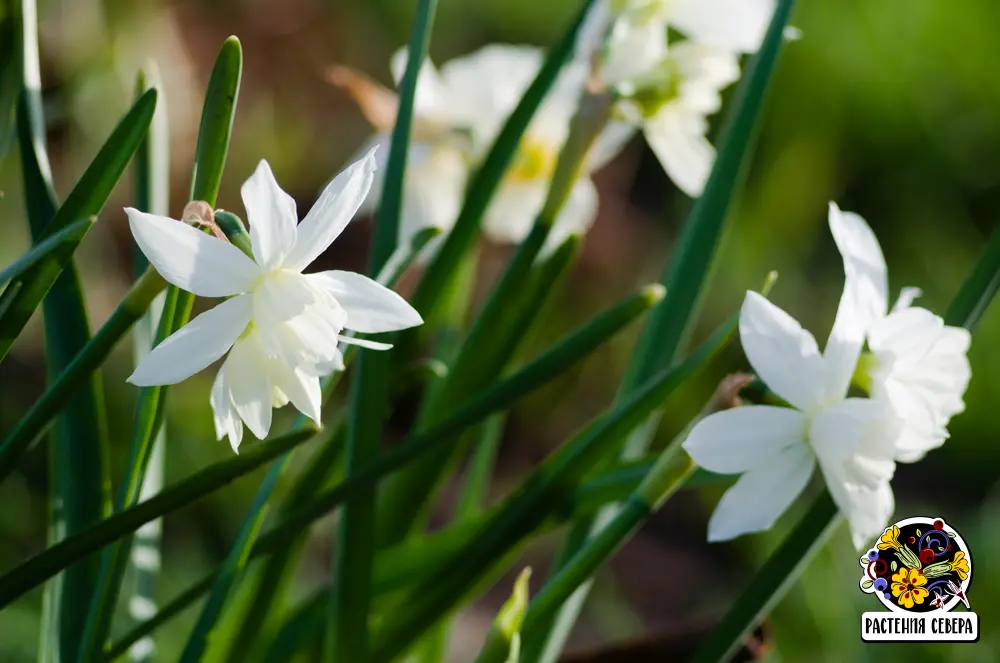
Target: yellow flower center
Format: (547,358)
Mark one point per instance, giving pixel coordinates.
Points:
(533,160)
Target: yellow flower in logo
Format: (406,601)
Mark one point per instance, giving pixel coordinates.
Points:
(960,565)
(890,539)
(908,587)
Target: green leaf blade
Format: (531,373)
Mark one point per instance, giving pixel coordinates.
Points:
(685,277)
(486,180)
(347,617)
(216,126)
(87,198)
(79,482)
(59,246)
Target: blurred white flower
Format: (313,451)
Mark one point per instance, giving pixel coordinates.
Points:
(458,112)
(732,25)
(672,103)
(669,90)
(916,362)
(283,326)
(853,440)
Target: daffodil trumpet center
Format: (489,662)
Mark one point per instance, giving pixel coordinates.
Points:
(652,92)
(862,378)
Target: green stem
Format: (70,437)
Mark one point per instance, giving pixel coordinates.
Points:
(407,495)
(43,566)
(529,507)
(347,619)
(685,277)
(486,180)
(89,359)
(87,198)
(60,244)
(549,365)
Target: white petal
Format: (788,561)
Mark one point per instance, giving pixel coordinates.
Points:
(219,399)
(272,216)
(863,302)
(365,343)
(370,306)
(761,495)
(190,259)
(227,419)
(855,440)
(783,354)
(335,208)
(740,439)
(914,442)
(431,96)
(906,297)
(704,71)
(298,321)
(906,335)
(379,144)
(867,510)
(862,258)
(737,25)
(512,211)
(678,140)
(434,188)
(195,345)
(301,388)
(577,214)
(633,49)
(319,370)
(484,87)
(609,144)
(250,384)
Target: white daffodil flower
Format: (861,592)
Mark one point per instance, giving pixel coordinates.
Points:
(672,103)
(670,90)
(852,440)
(283,326)
(916,362)
(458,112)
(440,151)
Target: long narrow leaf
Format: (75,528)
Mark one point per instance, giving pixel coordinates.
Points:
(500,397)
(487,179)
(78,447)
(54,559)
(403,498)
(685,277)
(347,619)
(523,513)
(86,199)
(60,245)
(152,194)
(210,158)
(89,359)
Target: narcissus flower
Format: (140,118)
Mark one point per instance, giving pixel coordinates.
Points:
(672,101)
(458,112)
(283,326)
(852,440)
(916,362)
(669,90)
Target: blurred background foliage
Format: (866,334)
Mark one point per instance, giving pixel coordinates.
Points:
(889,107)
